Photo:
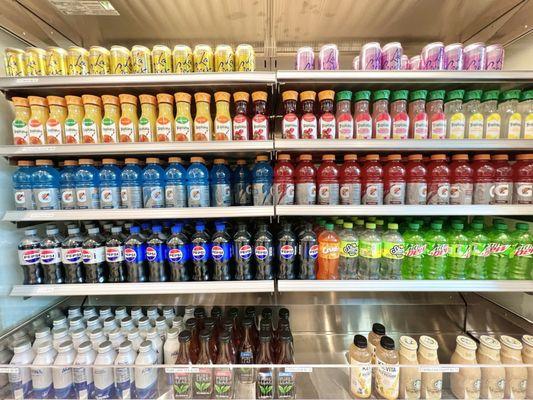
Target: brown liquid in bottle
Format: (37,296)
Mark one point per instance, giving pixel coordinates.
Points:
(515,377)
(227,325)
(387,370)
(183,380)
(210,324)
(360,368)
(285,382)
(265,379)
(431,385)
(466,383)
(410,378)
(246,353)
(492,378)
(224,384)
(527,357)
(194,347)
(378,331)
(203,379)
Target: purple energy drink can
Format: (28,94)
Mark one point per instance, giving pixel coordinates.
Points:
(328,57)
(453,57)
(370,57)
(414,63)
(391,56)
(305,58)
(474,57)
(405,63)
(432,57)
(494,57)
(355,63)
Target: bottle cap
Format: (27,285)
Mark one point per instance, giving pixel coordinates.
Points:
(222,96)
(473,95)
(259,96)
(418,95)
(400,95)
(86,161)
(436,226)
(522,226)
(197,160)
(38,101)
(219,161)
(135,229)
(109,161)
(513,94)
(394,157)
(328,157)
(490,342)
(519,157)
(343,95)
(362,95)
(490,95)
(393,226)
(414,157)
(147,99)
(414,226)
(57,101)
(125,99)
(387,343)
(165,98)
(526,95)
(308,95)
(329,227)
(436,157)
(457,226)
(370,225)
(500,157)
(242,96)
(177,160)
(378,328)
(457,94)
(110,99)
(200,97)
(380,95)
(261,158)
(482,157)
(347,225)
(428,342)
(20,101)
(182,97)
(326,95)
(284,157)
(372,157)
(436,95)
(408,343)
(360,341)
(131,161)
(73,100)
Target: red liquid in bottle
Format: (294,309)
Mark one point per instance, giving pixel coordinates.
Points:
(372,180)
(503,179)
(305,180)
(308,123)
(461,180)
(523,179)
(284,181)
(438,180)
(350,180)
(328,181)
(241,122)
(326,122)
(416,179)
(362,117)
(260,129)
(394,180)
(484,174)
(290,126)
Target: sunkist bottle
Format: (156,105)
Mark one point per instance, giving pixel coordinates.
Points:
(438,180)
(283,187)
(328,181)
(308,122)
(305,181)
(328,254)
(416,180)
(394,180)
(372,181)
(461,180)
(326,123)
(350,180)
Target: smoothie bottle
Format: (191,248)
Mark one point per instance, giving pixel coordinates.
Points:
(38,117)
(394,180)
(484,175)
(374,336)
(344,115)
(503,179)
(128,125)
(455,117)
(436,116)
(241,121)
(290,126)
(283,181)
(328,254)
(55,125)
(461,180)
(308,122)
(326,123)
(305,180)
(473,114)
(491,115)
(183,123)
(350,180)
(372,181)
(515,376)
(523,179)
(362,117)
(410,377)
(111,118)
(260,127)
(328,181)
(164,126)
(416,180)
(148,118)
(398,111)
(438,180)
(92,120)
(74,119)
(492,378)
(466,383)
(381,118)
(431,383)
(418,128)
(203,124)
(223,128)
(527,357)
(20,123)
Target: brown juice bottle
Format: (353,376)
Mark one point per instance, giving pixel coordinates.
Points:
(224,383)
(250,313)
(466,383)
(227,326)
(203,379)
(387,376)
(360,368)
(285,382)
(237,334)
(264,388)
(431,385)
(210,325)
(378,331)
(194,347)
(410,377)
(515,377)
(492,378)
(246,352)
(183,380)
(527,357)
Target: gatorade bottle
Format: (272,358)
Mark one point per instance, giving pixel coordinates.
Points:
(87,185)
(416,180)
(220,177)
(178,254)
(50,255)
(394,180)
(71,256)
(520,265)
(503,179)
(372,181)
(283,181)
(153,184)
(434,259)
(114,256)
(328,181)
(262,175)
(200,252)
(263,253)
(349,252)
(135,256)
(350,181)
(522,177)
(415,247)
(308,252)
(484,175)
(221,253)
(476,265)
(45,185)
(155,255)
(242,184)
(460,251)
(109,184)
(67,184)
(461,180)
(438,180)
(305,181)
(131,184)
(392,253)
(29,257)
(197,183)
(93,255)
(500,252)
(176,184)
(22,186)
(287,250)
(328,254)
(370,251)
(242,248)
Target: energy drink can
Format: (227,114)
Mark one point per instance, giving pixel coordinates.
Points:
(182,59)
(370,56)
(77,61)
(35,60)
(494,57)
(203,58)
(305,59)
(224,58)
(391,56)
(161,59)
(99,60)
(453,57)
(355,63)
(56,61)
(474,57)
(141,60)
(414,63)
(405,63)
(120,60)
(328,57)
(432,57)
(244,58)
(14,62)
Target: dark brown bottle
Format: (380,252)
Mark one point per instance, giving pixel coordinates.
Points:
(223,377)
(246,353)
(250,313)
(237,333)
(194,347)
(183,379)
(285,383)
(264,388)
(211,324)
(283,326)
(203,379)
(227,325)
(200,315)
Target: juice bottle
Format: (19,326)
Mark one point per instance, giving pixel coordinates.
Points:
(372,180)
(438,180)
(308,123)
(203,124)
(416,180)
(92,121)
(305,180)
(326,123)
(350,180)
(461,180)
(380,114)
(398,111)
(283,181)
(394,180)
(164,127)
(55,126)
(328,181)
(436,116)
(148,117)
(455,117)
(290,126)
(503,179)
(511,118)
(74,119)
(360,368)
(344,115)
(20,123)
(241,121)
(484,174)
(491,115)
(526,103)
(128,124)
(111,118)
(260,128)
(418,128)
(184,123)
(523,179)
(328,254)
(473,115)
(223,128)
(362,117)
(38,118)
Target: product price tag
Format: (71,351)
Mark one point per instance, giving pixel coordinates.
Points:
(438,368)
(39,214)
(298,369)
(177,370)
(9,370)
(44,289)
(27,80)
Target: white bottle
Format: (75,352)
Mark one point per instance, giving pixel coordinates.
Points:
(189,313)
(125,377)
(144,326)
(126,325)
(93,323)
(62,377)
(59,336)
(161,327)
(168,313)
(83,372)
(515,376)
(527,357)
(74,311)
(152,313)
(110,324)
(21,381)
(59,322)
(89,312)
(157,344)
(5,356)
(76,322)
(42,335)
(41,376)
(96,337)
(120,313)
(105,312)
(171,347)
(135,338)
(136,314)
(145,374)
(177,323)
(78,337)
(116,338)
(104,380)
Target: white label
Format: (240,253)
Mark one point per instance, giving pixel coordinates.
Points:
(89,131)
(514,127)
(145,130)
(308,127)
(93,256)
(298,369)
(387,379)
(383,129)
(290,127)
(438,368)
(222,129)
(20,132)
(202,130)
(72,132)
(327,127)
(36,132)
(420,130)
(127,130)
(183,129)
(109,131)
(360,378)
(475,126)
(54,132)
(163,130)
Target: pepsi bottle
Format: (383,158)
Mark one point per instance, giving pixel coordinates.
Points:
(114,255)
(135,255)
(29,257)
(71,256)
(178,254)
(51,257)
(221,253)
(242,248)
(287,249)
(308,252)
(93,255)
(155,255)
(263,252)
(200,253)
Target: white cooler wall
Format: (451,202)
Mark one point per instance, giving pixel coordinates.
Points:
(519,55)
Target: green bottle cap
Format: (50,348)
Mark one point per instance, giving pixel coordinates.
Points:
(418,95)
(348,225)
(419,222)
(501,227)
(322,222)
(372,219)
(343,95)
(436,226)
(381,95)
(473,95)
(477,226)
(339,221)
(393,226)
(329,227)
(489,95)
(370,225)
(457,226)
(362,95)
(400,95)
(457,94)
(513,94)
(360,222)
(414,226)
(522,226)
(380,222)
(436,95)
(526,95)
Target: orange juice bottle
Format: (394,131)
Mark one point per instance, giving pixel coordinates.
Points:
(20,123)
(128,121)
(164,126)
(74,119)
(111,118)
(55,126)
(223,128)
(148,118)
(328,254)
(183,123)
(38,118)
(203,124)
(93,119)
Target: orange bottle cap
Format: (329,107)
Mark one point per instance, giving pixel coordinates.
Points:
(202,97)
(56,101)
(182,97)
(326,95)
(128,98)
(308,95)
(197,159)
(219,161)
(89,161)
(106,161)
(394,157)
(44,162)
(110,99)
(414,157)
(372,157)
(241,96)
(289,95)
(438,157)
(462,157)
(500,157)
(37,101)
(152,160)
(306,157)
(284,157)
(24,163)
(73,100)
(70,163)
(174,160)
(482,157)
(259,96)
(20,101)
(524,157)
(328,157)
(350,157)
(262,158)
(165,98)
(131,161)
(90,99)
(242,162)
(147,99)
(222,96)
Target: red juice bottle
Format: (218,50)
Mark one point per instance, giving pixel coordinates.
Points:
(380,114)
(328,181)
(418,117)
(523,179)
(260,129)
(305,180)
(436,116)
(484,174)
(344,115)
(398,112)
(372,181)
(394,180)
(284,181)
(350,180)
(362,117)
(438,180)
(461,180)
(290,126)
(326,123)
(503,179)
(416,178)
(241,121)
(308,123)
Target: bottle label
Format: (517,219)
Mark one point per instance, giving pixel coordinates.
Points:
(42,382)
(286,385)
(23,199)
(83,382)
(496,250)
(523,193)
(176,195)
(68,199)
(123,379)
(383,126)
(287,252)
(72,131)
(89,131)
(240,127)
(149,375)
(202,382)
(345,126)
(387,379)
(437,250)
(54,132)
(200,252)
(202,129)
(50,256)
(221,252)
(178,255)
(513,128)
(502,193)
(394,193)
(283,193)
(182,385)
(480,249)
(360,378)
(145,130)
(135,254)
(114,254)
(457,126)
(36,131)
(327,126)
(492,126)
(183,129)
(475,126)
(221,195)
(438,193)
(29,257)
(306,193)
(198,196)
(528,126)
(262,194)
(131,197)
(153,197)
(329,251)
(109,197)
(127,130)
(420,128)
(461,193)
(370,249)
(260,127)
(20,132)
(46,199)
(155,253)
(109,131)
(457,250)
(523,250)
(372,193)
(107,392)
(265,385)
(71,255)
(433,389)
(262,252)
(163,129)
(328,193)
(349,249)
(363,126)
(20,383)
(308,126)
(400,126)
(87,198)
(222,128)
(243,193)
(483,192)
(93,256)
(245,253)
(414,250)
(416,193)
(393,251)
(350,193)
(438,126)
(223,383)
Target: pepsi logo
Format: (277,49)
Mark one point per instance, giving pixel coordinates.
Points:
(113,254)
(286,251)
(151,253)
(31,256)
(217,252)
(313,251)
(72,255)
(198,253)
(48,256)
(245,252)
(86,256)
(175,255)
(130,254)
(261,252)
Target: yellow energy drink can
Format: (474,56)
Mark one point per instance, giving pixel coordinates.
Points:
(182,59)
(77,61)
(99,63)
(120,60)
(14,62)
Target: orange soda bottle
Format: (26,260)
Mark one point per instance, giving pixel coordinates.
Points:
(328,254)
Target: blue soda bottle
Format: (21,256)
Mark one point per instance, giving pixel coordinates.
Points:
(87,185)
(198,183)
(109,184)
(221,250)
(262,175)
(176,183)
(131,186)
(200,253)
(135,256)
(45,185)
(22,186)
(242,184)
(153,184)
(67,184)
(178,254)
(155,255)
(220,184)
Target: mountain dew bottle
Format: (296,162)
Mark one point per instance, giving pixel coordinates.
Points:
(434,260)
(521,262)
(415,246)
(500,252)
(476,266)
(460,250)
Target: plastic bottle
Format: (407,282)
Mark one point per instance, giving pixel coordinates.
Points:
(520,265)
(372,181)
(328,181)
(484,176)
(131,186)
(50,255)
(328,254)
(392,253)
(438,180)
(93,255)
(349,252)
(435,256)
(460,251)
(38,118)
(305,181)
(461,180)
(308,253)
(223,129)
(200,253)
(394,181)
(22,186)
(474,118)
(345,129)
(20,123)
(455,117)
(178,254)
(416,180)
(41,373)
(436,116)
(147,121)
(220,179)
(287,251)
(67,185)
(71,256)
(183,123)
(327,126)
(109,184)
(110,121)
(203,123)
(491,116)
(104,382)
(350,181)
(242,249)
(382,123)
(262,175)
(501,250)
(124,376)
(128,123)
(526,105)
(135,256)
(503,179)
(415,248)
(29,258)
(114,256)
(241,121)
(146,373)
(511,118)
(283,181)
(175,184)
(290,126)
(197,183)
(399,116)
(308,122)
(242,184)
(45,185)
(62,377)
(476,265)
(221,253)
(260,126)
(20,379)
(370,251)
(362,117)
(522,178)
(153,177)
(418,128)
(83,371)
(263,252)
(155,255)
(87,185)
(164,125)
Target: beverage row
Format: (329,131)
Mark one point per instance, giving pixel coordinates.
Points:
(120,60)
(114,119)
(403,114)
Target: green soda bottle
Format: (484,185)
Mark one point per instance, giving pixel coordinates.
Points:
(500,252)
(520,264)
(434,259)
(459,254)
(415,246)
(476,267)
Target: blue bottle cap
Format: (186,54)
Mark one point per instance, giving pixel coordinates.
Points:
(177,228)
(220,226)
(157,228)
(135,229)
(145,226)
(200,227)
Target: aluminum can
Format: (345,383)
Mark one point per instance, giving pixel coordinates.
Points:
(370,56)
(405,63)
(391,56)
(432,57)
(14,62)
(453,57)
(474,57)
(182,59)
(120,60)
(305,59)
(56,61)
(99,60)
(161,59)
(203,59)
(328,57)
(414,63)
(355,63)
(224,58)
(244,58)
(494,57)
(77,61)
(141,60)
(35,60)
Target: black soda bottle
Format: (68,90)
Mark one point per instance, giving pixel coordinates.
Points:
(93,255)
(308,253)
(71,256)
(287,249)
(200,254)
(135,256)
(178,254)
(155,255)
(263,252)
(51,257)
(29,257)
(242,245)
(221,253)
(114,255)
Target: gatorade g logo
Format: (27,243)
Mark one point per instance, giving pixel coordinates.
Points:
(44,196)
(195,194)
(151,253)
(107,195)
(48,256)
(261,252)
(415,250)
(245,252)
(313,251)
(439,250)
(156,194)
(217,252)
(130,254)
(82,196)
(198,253)
(175,255)
(31,256)
(286,251)
(112,254)
(72,255)
(20,197)
(67,196)
(523,250)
